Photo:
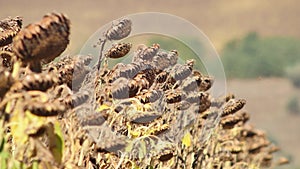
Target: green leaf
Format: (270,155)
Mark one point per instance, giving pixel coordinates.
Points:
(57,150)
(55,142)
(35,165)
(58,131)
(3,157)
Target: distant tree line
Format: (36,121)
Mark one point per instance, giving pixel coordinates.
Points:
(253,56)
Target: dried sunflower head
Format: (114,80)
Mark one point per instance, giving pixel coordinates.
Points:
(9,27)
(44,40)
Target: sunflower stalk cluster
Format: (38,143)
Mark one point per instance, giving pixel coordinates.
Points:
(150,113)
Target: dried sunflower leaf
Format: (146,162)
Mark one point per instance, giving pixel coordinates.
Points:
(186,140)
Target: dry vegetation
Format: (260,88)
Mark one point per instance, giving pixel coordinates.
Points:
(150,113)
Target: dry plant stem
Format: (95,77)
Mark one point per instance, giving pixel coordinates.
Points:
(18,95)
(101,53)
(80,161)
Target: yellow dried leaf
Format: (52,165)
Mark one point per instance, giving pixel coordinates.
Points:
(147,106)
(186,140)
(132,133)
(103,107)
(34,122)
(16,70)
(8,107)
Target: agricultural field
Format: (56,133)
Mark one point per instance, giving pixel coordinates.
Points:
(266,98)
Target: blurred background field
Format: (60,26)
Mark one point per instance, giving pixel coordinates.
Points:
(258,41)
